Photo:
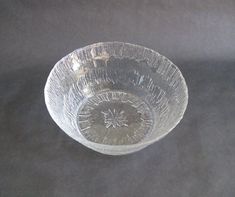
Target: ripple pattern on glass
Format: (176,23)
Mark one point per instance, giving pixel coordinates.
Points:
(116,94)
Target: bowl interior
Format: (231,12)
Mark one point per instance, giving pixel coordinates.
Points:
(116,94)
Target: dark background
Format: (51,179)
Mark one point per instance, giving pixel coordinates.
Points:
(196,159)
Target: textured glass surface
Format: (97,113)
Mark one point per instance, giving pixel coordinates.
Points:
(116,98)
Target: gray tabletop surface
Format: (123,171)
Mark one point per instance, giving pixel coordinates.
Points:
(197,159)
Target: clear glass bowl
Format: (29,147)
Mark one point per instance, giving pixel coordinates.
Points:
(116,98)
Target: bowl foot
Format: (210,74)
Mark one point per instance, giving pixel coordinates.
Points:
(114,118)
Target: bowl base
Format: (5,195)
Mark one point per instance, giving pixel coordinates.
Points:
(114,118)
